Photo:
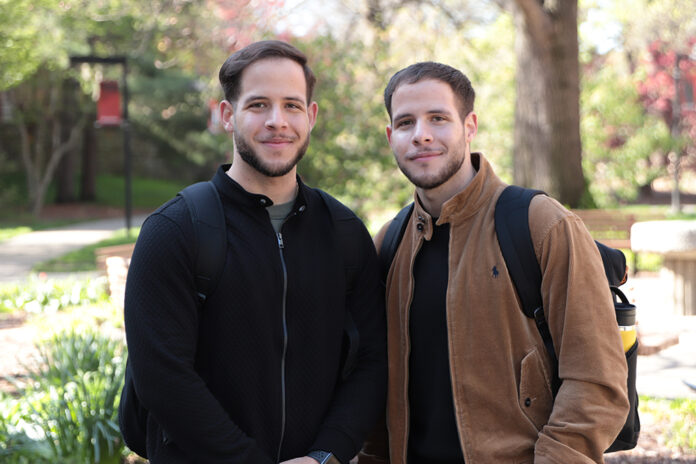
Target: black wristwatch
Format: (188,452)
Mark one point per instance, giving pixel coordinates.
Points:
(323,457)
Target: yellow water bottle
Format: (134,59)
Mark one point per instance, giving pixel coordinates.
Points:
(626,318)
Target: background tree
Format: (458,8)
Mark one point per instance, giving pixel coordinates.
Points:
(652,40)
(623,145)
(548,150)
(45,137)
(668,91)
(169,45)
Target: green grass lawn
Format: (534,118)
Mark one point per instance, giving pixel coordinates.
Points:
(148,194)
(10,232)
(84,259)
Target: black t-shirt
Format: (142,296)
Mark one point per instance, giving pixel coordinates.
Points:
(433,437)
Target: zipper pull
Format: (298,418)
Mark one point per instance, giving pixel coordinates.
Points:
(280,240)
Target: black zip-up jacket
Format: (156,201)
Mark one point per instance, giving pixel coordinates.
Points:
(255,375)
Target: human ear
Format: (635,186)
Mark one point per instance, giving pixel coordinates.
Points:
(227,115)
(471,125)
(312,111)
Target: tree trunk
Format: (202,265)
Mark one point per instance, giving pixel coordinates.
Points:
(548,151)
(88,185)
(65,172)
(58,151)
(65,179)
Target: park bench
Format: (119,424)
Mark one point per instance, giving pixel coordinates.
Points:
(612,228)
(114,261)
(121,251)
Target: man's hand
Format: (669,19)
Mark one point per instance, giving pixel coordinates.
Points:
(302,460)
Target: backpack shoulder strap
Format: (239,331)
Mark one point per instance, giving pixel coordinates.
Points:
(205,208)
(515,239)
(392,238)
(339,213)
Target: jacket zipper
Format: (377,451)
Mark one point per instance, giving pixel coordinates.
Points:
(281,246)
(407,319)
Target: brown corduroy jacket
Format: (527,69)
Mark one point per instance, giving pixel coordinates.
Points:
(505,412)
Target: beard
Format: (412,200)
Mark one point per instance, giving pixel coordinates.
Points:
(436,179)
(249,155)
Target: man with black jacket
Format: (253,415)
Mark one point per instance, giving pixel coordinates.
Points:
(258,373)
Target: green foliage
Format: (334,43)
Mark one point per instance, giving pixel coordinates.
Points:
(84,259)
(669,20)
(41,295)
(68,411)
(349,156)
(27,38)
(619,139)
(679,416)
(19,442)
(71,353)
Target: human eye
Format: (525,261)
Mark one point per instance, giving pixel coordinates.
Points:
(402,123)
(257,105)
(438,118)
(294,106)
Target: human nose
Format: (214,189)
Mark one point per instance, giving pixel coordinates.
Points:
(276,118)
(421,134)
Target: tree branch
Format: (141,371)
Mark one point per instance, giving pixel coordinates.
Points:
(26,154)
(537,21)
(59,151)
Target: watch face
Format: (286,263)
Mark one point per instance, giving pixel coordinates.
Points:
(323,457)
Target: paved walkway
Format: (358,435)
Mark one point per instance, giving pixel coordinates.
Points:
(666,373)
(19,254)
(662,374)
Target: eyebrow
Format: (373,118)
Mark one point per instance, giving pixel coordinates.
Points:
(409,115)
(263,97)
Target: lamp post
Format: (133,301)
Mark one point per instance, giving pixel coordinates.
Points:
(675,131)
(127,168)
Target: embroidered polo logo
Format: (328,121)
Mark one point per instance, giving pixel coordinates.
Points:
(495,272)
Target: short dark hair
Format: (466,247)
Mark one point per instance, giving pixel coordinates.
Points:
(231,71)
(458,82)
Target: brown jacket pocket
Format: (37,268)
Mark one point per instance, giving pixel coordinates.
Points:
(535,398)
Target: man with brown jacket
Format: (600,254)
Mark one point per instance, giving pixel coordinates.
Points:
(469,377)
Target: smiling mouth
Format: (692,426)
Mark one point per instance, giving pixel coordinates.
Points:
(277,142)
(424,155)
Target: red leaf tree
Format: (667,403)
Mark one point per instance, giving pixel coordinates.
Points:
(657,91)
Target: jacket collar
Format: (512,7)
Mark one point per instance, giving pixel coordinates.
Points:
(465,203)
(230,189)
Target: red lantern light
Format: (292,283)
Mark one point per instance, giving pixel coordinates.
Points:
(109,104)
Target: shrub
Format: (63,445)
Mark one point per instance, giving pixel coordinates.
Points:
(41,295)
(71,402)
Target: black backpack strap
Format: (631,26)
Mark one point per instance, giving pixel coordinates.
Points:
(515,239)
(208,218)
(392,238)
(350,330)
(205,207)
